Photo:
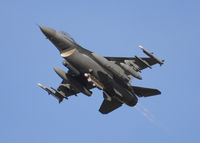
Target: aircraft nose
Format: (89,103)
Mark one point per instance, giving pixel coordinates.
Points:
(48,32)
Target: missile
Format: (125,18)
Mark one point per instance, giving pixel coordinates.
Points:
(151,55)
(58,96)
(46,89)
(59,92)
(143,61)
(130,70)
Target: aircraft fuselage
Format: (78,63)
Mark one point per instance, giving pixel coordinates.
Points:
(104,74)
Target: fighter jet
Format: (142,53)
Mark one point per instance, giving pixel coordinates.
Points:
(87,70)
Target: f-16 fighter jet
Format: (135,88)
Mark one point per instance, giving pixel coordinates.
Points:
(87,70)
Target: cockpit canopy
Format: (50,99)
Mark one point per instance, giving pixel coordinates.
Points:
(67,36)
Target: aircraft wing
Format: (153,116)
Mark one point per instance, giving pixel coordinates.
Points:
(137,64)
(67,89)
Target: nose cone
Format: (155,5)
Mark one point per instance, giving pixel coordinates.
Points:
(48,32)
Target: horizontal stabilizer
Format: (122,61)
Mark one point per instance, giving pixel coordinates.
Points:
(145,92)
(109,106)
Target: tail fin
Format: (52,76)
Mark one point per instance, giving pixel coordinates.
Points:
(145,92)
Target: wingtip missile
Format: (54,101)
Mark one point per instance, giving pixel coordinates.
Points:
(151,55)
(45,88)
(40,85)
(60,99)
(141,47)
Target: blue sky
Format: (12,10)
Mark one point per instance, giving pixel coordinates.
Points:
(112,28)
